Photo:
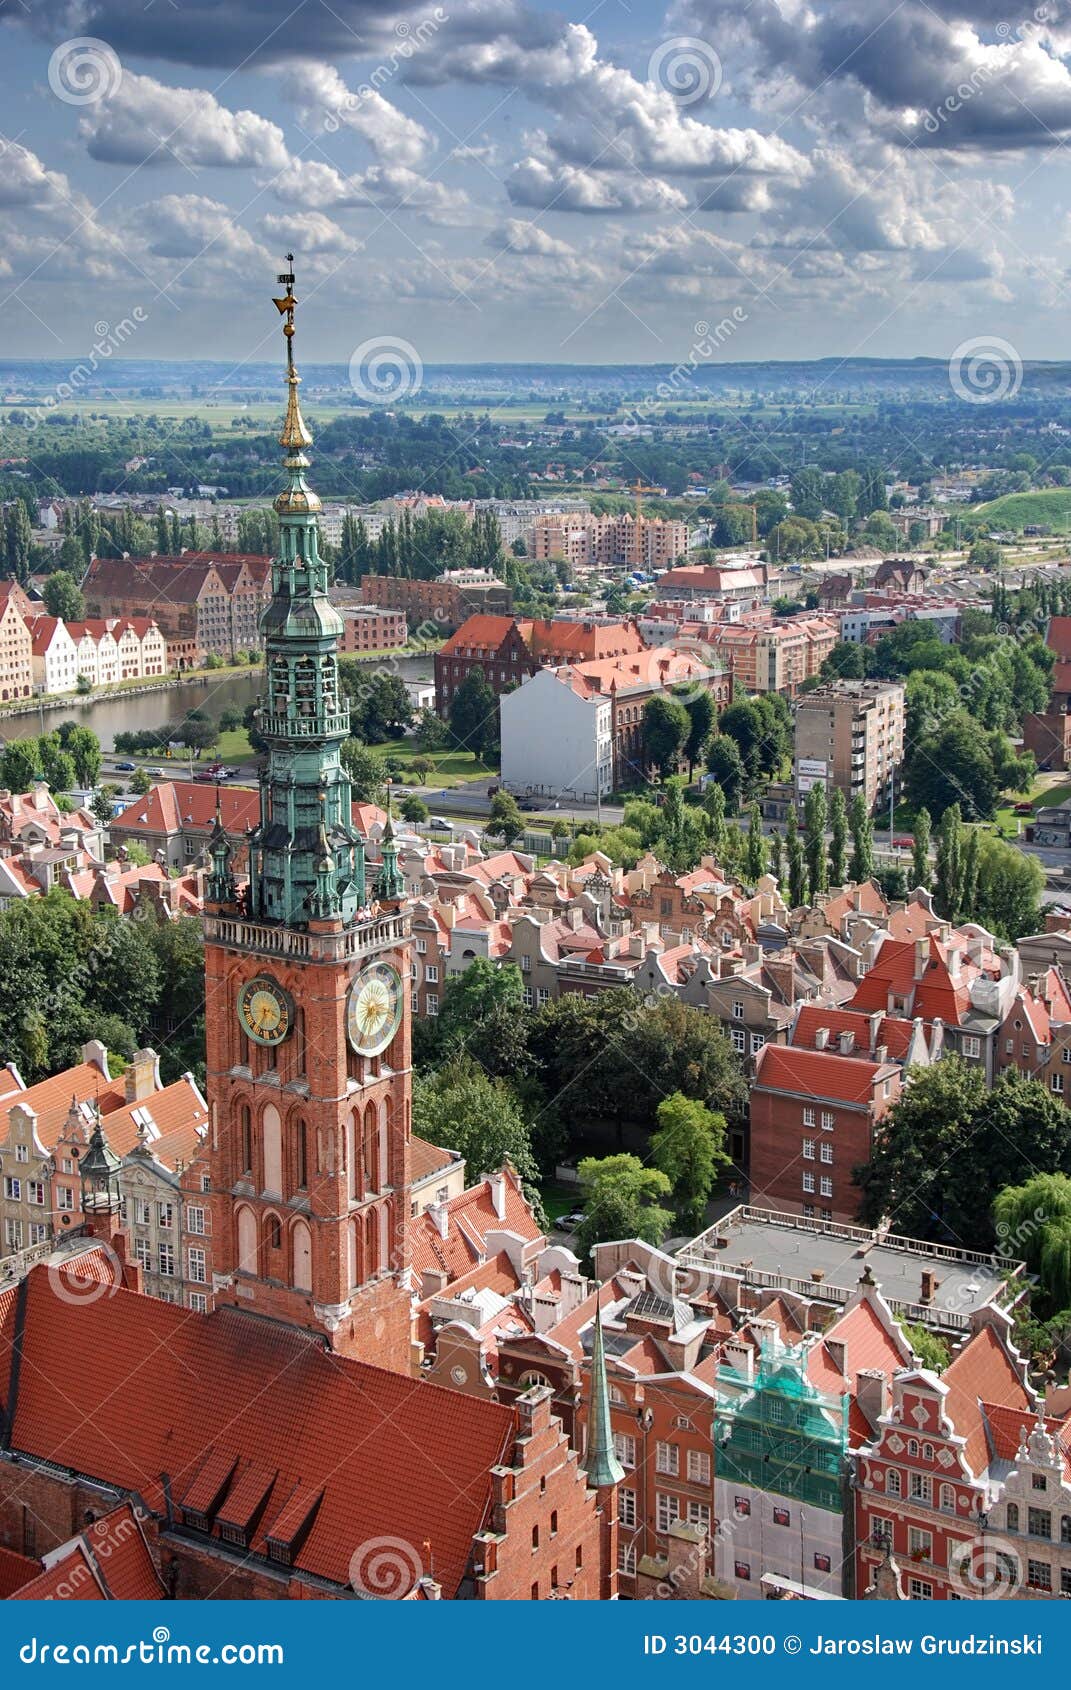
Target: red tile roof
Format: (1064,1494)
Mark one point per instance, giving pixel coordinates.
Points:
(470,1216)
(177,804)
(982,1372)
(392,1456)
(819,1074)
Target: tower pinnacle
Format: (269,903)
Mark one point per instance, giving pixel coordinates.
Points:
(600,1462)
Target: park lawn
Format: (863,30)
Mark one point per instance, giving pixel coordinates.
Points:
(1047,789)
(234,746)
(452,768)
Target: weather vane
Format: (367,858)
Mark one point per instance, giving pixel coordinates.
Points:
(285,306)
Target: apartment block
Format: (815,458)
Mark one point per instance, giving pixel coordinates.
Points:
(850,734)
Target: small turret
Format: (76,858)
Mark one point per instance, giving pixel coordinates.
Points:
(600,1463)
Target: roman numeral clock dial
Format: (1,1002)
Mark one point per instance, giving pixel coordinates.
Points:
(374,1011)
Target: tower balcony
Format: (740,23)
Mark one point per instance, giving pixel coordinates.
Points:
(333,725)
(372,932)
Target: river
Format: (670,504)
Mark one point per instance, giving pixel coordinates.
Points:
(119,712)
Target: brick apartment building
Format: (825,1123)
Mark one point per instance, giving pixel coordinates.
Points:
(775,658)
(445,602)
(16,643)
(609,542)
(507,650)
(367,628)
(204,603)
(812,1120)
(850,734)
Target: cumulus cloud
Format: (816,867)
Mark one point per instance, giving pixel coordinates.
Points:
(325,102)
(146,122)
(393,188)
(565,187)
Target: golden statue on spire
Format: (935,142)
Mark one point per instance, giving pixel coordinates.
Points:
(295,435)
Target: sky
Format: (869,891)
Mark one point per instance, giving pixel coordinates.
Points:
(491,180)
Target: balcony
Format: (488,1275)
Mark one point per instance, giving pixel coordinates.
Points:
(335,724)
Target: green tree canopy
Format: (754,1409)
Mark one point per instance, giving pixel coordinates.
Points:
(689,1149)
(623,1199)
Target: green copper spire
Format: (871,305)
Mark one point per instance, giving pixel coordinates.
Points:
(600,1462)
(221,888)
(390,886)
(306,858)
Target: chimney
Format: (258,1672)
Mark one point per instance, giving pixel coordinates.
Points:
(857,897)
(433,1281)
(838,1354)
(872,1393)
(440,1218)
(94,1052)
(821,1038)
(142,1078)
(929,1285)
(881,1055)
(497,1185)
(922,956)
(846,1041)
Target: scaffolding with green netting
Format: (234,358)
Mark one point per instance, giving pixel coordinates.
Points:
(779,1433)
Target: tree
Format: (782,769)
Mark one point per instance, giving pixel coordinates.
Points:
(665,728)
(1007,890)
(63,597)
(953,765)
(846,662)
(814,825)
(726,766)
(714,810)
(755,852)
(688,1148)
(1033,1225)
(367,771)
(506,821)
(20,762)
(380,706)
(797,882)
(422,768)
(18,541)
(838,841)
(622,1199)
(483,1013)
(949,1142)
(474,714)
(57,765)
(701,718)
(932,1351)
(920,850)
(985,554)
(462,1108)
(862,829)
(102,804)
(141,782)
(948,883)
(429,732)
(414,809)
(777,846)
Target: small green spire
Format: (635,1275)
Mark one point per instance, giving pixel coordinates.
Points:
(221,888)
(600,1462)
(390,885)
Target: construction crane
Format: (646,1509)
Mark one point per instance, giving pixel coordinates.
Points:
(639,488)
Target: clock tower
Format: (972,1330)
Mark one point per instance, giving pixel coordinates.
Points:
(308,993)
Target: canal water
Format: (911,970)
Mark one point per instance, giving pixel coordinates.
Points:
(123,712)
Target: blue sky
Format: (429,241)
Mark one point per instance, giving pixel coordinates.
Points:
(494,180)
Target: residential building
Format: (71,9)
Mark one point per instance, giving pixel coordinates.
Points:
(175,819)
(443,603)
(777,657)
(204,603)
(16,643)
(715,581)
(506,650)
(557,736)
(366,628)
(812,1120)
(609,542)
(850,734)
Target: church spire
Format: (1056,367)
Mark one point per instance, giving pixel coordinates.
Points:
(600,1462)
(306,858)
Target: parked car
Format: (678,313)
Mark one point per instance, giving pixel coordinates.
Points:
(527,804)
(903,842)
(124,768)
(438,821)
(569,1223)
(157,774)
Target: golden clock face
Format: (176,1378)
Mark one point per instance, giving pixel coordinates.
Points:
(374,1012)
(265,1011)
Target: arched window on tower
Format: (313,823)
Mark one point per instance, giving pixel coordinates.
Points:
(273,1150)
(369,1153)
(371,1245)
(273,1239)
(246,1125)
(247,1241)
(351,1253)
(302,1240)
(353,1136)
(301,1135)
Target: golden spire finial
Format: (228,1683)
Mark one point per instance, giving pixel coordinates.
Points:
(295,435)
